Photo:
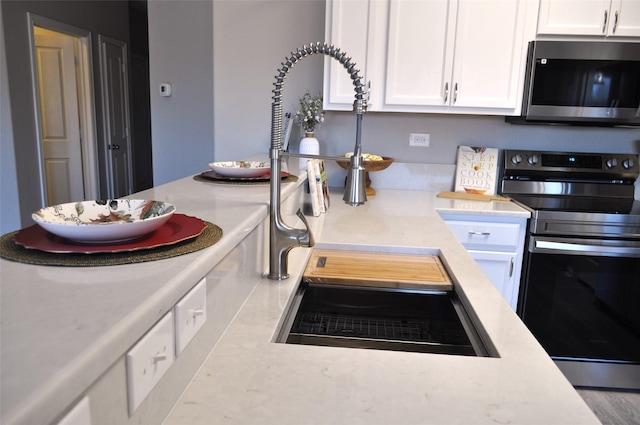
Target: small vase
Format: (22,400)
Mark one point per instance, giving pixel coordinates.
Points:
(308,145)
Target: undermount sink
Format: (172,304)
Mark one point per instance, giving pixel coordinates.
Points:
(357,313)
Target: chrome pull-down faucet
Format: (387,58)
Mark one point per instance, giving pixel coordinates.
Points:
(283,238)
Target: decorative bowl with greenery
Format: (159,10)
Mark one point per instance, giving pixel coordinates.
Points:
(310,115)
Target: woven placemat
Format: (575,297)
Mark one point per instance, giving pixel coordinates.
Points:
(289,179)
(12,251)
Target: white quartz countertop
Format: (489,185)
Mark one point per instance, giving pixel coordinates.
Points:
(250,379)
(62,327)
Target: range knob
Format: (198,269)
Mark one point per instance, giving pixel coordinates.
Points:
(612,162)
(628,163)
(533,159)
(516,159)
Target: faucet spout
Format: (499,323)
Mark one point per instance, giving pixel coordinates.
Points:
(283,238)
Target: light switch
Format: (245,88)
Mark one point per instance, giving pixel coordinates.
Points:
(191,313)
(148,361)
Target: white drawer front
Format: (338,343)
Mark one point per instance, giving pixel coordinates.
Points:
(484,234)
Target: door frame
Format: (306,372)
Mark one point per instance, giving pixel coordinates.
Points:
(86,103)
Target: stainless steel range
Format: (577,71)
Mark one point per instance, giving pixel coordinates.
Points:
(580,288)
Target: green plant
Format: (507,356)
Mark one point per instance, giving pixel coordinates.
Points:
(310,115)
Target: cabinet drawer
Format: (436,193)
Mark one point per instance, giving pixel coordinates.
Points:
(484,234)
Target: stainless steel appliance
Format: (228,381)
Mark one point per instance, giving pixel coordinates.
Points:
(580,287)
(582,82)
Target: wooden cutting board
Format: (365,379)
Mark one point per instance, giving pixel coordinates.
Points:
(383,270)
(472,196)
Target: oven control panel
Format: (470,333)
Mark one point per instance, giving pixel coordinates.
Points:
(620,165)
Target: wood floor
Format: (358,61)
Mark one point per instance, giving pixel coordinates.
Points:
(613,407)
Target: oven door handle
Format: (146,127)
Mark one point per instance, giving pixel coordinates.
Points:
(576,247)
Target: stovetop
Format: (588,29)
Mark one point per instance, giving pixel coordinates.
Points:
(568,192)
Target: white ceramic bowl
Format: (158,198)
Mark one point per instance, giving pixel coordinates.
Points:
(106,221)
(240,168)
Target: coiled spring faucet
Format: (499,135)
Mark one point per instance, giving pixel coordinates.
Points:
(282,238)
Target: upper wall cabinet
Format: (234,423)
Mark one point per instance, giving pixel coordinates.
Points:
(350,26)
(603,18)
(448,56)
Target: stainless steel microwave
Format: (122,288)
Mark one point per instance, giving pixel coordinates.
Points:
(582,82)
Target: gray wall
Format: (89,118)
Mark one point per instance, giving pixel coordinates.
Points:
(251,40)
(109,18)
(181,53)
(220,109)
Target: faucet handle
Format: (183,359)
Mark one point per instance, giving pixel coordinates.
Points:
(305,238)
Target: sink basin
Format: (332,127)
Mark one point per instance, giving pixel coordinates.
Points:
(357,314)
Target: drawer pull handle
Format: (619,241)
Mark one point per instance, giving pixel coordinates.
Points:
(476,233)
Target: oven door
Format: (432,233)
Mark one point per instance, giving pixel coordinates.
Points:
(581,300)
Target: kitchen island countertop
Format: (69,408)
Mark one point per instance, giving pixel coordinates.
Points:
(64,327)
(250,379)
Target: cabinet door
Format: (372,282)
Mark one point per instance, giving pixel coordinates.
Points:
(499,268)
(458,56)
(489,52)
(573,17)
(347,28)
(625,18)
(420,51)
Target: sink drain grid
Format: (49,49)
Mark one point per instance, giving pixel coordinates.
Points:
(412,329)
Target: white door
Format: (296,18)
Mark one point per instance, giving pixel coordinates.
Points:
(115,104)
(60,125)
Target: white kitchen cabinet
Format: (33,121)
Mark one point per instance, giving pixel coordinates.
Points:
(605,18)
(447,56)
(456,56)
(497,245)
(348,26)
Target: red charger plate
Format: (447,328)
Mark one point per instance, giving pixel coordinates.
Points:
(179,228)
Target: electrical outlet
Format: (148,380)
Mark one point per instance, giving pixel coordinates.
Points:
(191,313)
(148,361)
(419,139)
